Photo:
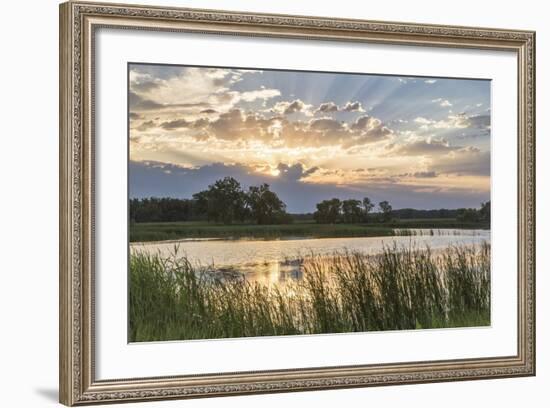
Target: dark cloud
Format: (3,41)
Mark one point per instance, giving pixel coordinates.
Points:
(209,111)
(366,129)
(200,123)
(424,174)
(146,125)
(326,125)
(327,107)
(288,108)
(166,180)
(480,121)
(295,106)
(294,172)
(353,107)
(175,124)
(135,116)
(330,107)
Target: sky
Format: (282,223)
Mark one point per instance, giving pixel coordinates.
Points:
(416,142)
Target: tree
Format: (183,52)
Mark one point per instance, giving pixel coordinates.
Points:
(201,203)
(386,209)
(328,211)
(367,207)
(160,209)
(468,215)
(351,210)
(265,206)
(485,211)
(224,201)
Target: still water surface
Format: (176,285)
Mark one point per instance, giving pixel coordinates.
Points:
(275,261)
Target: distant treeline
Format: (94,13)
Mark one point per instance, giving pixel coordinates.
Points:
(227,202)
(404,214)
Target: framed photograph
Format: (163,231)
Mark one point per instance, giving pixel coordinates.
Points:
(256,203)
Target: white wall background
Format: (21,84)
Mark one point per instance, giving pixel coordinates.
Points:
(29,191)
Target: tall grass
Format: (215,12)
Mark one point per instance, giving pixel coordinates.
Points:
(164,231)
(141,232)
(402,288)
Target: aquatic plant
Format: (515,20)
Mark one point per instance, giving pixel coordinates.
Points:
(402,288)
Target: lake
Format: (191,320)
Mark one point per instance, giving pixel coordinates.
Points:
(273,262)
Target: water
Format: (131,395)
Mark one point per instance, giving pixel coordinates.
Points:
(273,262)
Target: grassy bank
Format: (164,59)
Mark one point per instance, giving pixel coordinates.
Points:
(349,292)
(163,231)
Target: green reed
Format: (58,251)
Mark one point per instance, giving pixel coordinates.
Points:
(402,288)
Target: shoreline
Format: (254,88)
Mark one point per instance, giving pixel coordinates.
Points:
(392,232)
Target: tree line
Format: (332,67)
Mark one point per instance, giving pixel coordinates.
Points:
(361,211)
(350,211)
(226,201)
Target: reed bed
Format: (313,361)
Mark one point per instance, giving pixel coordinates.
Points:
(402,288)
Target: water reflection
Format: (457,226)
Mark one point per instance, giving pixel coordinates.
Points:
(274,262)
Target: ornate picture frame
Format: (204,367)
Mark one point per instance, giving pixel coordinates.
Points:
(78,24)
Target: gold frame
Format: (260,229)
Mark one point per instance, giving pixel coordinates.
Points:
(78,22)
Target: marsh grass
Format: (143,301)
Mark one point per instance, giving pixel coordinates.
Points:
(402,288)
(165,231)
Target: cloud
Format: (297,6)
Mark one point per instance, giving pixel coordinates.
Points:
(330,107)
(458,121)
(464,161)
(443,158)
(149,124)
(327,107)
(189,88)
(479,121)
(250,96)
(175,124)
(326,125)
(294,172)
(237,125)
(463,121)
(442,102)
(139,103)
(330,132)
(422,147)
(288,108)
(424,121)
(424,174)
(353,107)
(158,179)
(199,118)
(143,82)
(168,180)
(371,128)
